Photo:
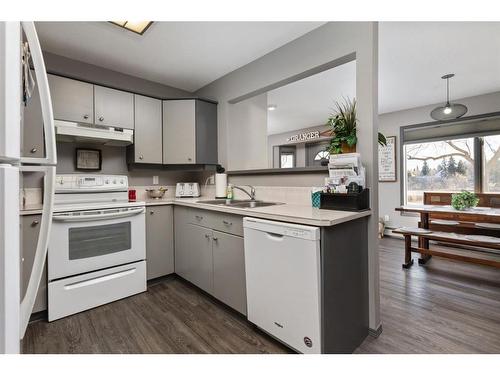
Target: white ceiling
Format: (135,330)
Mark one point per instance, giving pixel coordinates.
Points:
(414,55)
(310,101)
(186,55)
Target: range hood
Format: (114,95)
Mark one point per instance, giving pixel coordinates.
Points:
(67,131)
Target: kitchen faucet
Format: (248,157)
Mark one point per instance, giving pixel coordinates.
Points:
(252,191)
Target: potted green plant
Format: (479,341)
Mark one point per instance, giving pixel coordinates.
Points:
(464,200)
(343,124)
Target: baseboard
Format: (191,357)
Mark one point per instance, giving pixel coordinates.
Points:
(375,332)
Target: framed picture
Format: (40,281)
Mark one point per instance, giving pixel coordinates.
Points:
(88,159)
(387,161)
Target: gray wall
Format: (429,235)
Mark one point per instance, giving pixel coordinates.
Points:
(92,73)
(333,43)
(390,123)
(114,162)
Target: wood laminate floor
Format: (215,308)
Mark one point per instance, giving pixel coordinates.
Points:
(443,307)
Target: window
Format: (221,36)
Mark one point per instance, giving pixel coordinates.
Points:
(287,160)
(491,155)
(462,154)
(322,155)
(439,166)
(287,156)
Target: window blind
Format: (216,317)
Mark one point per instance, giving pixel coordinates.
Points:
(477,127)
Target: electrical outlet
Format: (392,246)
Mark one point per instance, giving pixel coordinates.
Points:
(386,218)
(155,180)
(211,180)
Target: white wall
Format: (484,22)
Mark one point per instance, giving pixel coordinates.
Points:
(324,45)
(390,123)
(248,148)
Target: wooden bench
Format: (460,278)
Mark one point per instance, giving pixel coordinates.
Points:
(485,253)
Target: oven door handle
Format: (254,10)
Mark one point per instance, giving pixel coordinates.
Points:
(103,216)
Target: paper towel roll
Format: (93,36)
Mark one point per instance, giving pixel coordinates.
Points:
(220,185)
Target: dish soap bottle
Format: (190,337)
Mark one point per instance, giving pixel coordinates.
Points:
(229,191)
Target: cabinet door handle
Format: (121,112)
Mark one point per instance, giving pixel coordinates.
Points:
(199,217)
(141,157)
(35,223)
(85,117)
(33,150)
(189,159)
(207,236)
(227,222)
(151,212)
(215,238)
(101,118)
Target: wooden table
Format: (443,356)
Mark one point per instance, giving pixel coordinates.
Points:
(475,215)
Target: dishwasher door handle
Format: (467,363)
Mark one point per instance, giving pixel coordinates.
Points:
(275,236)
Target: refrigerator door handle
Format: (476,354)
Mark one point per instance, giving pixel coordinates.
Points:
(28,301)
(45,99)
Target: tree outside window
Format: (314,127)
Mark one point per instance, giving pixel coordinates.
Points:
(439,166)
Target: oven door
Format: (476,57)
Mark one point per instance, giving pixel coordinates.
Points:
(85,241)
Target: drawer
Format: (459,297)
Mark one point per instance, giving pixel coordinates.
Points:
(200,217)
(78,293)
(227,223)
(220,221)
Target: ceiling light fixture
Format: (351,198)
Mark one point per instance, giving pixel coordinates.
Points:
(272,107)
(138,27)
(448,111)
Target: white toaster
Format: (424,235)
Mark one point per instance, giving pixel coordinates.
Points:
(187,190)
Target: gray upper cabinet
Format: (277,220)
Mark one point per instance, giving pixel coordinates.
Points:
(72,100)
(113,107)
(30,227)
(147,146)
(159,241)
(189,132)
(32,137)
(206,132)
(179,137)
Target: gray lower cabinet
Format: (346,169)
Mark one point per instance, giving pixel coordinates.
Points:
(229,270)
(159,241)
(210,256)
(72,100)
(189,132)
(193,255)
(30,227)
(113,107)
(147,147)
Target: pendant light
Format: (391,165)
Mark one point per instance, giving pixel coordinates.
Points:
(448,111)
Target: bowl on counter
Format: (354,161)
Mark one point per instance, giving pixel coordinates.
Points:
(156,193)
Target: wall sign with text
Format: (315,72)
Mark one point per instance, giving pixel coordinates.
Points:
(387,161)
(303,136)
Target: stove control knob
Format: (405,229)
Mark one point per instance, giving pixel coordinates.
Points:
(114,182)
(106,181)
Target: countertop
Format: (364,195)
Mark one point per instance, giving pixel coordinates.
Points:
(293,213)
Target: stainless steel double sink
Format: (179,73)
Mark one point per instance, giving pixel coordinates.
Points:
(238,203)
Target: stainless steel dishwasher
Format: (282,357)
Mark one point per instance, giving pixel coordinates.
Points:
(282,265)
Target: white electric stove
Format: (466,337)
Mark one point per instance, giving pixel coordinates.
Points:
(97,245)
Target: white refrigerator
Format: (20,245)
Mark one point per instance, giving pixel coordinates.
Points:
(19,52)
